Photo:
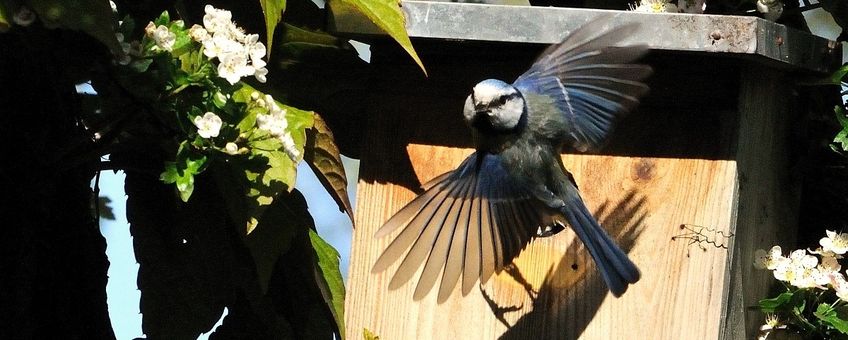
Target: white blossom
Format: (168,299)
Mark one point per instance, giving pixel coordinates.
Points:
(208,125)
(149,29)
(802,268)
(289,146)
(275,125)
(231,148)
(837,280)
(654,6)
(114,6)
(835,242)
(125,49)
(802,259)
(255,48)
(828,266)
(823,253)
(799,269)
(233,66)
(162,36)
(764,260)
(772,323)
(803,278)
(220,46)
(198,33)
(260,73)
(217,20)
(23,16)
(275,121)
(222,39)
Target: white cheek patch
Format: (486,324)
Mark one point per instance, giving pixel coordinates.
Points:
(509,114)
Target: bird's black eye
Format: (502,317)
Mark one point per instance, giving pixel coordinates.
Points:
(502,99)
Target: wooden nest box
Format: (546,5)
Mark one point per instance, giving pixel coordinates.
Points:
(691,184)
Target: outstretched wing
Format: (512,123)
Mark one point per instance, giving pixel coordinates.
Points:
(469,222)
(590,83)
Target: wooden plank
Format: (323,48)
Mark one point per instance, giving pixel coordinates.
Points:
(766,211)
(554,293)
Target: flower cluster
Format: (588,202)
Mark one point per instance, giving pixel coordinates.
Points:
(803,269)
(275,123)
(239,54)
(815,300)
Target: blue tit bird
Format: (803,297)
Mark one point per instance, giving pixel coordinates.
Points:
(472,221)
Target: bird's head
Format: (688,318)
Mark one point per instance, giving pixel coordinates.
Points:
(494,106)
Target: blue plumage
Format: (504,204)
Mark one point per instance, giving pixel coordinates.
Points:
(469,223)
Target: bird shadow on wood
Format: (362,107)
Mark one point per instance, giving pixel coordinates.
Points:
(570,295)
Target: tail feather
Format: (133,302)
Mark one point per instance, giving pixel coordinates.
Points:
(615,267)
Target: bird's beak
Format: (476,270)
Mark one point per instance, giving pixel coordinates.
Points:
(480,109)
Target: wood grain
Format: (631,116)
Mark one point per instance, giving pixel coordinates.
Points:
(766,208)
(554,291)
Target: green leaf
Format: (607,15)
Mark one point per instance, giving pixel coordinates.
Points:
(840,116)
(330,280)
(273,10)
(294,34)
(298,121)
(778,303)
(90,16)
(5,24)
(322,155)
(182,46)
(282,170)
(163,19)
(837,76)
(183,170)
(274,168)
(835,317)
(242,95)
(368,335)
(219,99)
(387,16)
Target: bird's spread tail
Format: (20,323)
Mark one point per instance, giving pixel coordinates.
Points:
(616,268)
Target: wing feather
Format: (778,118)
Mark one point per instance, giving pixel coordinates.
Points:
(472,266)
(432,220)
(438,255)
(468,224)
(490,239)
(590,82)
